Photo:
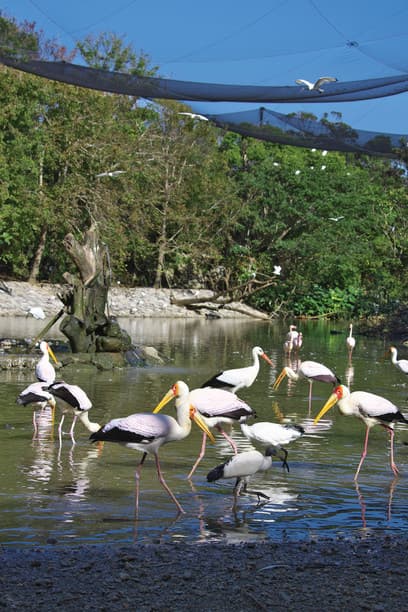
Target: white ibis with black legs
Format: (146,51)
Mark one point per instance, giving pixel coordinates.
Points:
(237,378)
(242,467)
(218,408)
(370,408)
(273,434)
(310,371)
(73,400)
(44,370)
(401,364)
(38,396)
(147,432)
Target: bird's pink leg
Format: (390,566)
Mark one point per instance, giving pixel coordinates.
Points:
(363,454)
(310,395)
(163,482)
(230,440)
(60,429)
(393,466)
(137,477)
(71,431)
(200,456)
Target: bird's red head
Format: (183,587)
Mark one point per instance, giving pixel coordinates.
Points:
(338,391)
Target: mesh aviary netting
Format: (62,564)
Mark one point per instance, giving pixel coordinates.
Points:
(298,129)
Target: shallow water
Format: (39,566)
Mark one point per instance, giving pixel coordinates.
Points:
(78,494)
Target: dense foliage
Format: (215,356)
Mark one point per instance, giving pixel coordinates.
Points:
(181,203)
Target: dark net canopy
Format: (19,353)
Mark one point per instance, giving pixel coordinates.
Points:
(295,129)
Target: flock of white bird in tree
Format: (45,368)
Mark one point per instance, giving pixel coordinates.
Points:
(215,406)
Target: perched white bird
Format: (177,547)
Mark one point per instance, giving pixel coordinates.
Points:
(194,116)
(72,400)
(147,432)
(237,378)
(38,395)
(273,434)
(350,341)
(311,371)
(111,174)
(44,370)
(36,312)
(277,270)
(402,364)
(218,408)
(317,85)
(370,408)
(242,467)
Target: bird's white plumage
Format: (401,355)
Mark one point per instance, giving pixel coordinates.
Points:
(44,370)
(317,85)
(350,340)
(36,393)
(401,364)
(246,464)
(194,116)
(72,400)
(238,378)
(36,312)
(271,434)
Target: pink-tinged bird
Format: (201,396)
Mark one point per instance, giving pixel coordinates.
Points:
(350,341)
(311,371)
(370,408)
(273,434)
(44,370)
(72,400)
(401,364)
(242,467)
(237,378)
(217,408)
(297,342)
(291,338)
(37,395)
(147,432)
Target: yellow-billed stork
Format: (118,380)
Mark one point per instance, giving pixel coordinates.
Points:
(72,400)
(44,370)
(311,371)
(237,378)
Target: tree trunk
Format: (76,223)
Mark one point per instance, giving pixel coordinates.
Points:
(35,268)
(87,325)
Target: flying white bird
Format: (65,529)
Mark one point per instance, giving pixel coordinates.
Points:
(317,85)
(242,467)
(277,270)
(336,218)
(194,116)
(36,312)
(370,408)
(112,174)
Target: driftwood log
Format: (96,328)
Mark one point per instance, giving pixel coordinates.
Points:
(87,325)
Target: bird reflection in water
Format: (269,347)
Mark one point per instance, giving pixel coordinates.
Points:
(363,505)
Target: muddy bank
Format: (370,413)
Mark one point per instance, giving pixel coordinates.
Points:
(367,574)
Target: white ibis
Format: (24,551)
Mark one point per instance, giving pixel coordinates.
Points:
(273,434)
(370,408)
(402,364)
(242,467)
(73,400)
(44,370)
(311,371)
(317,85)
(237,378)
(350,341)
(37,395)
(147,432)
(216,407)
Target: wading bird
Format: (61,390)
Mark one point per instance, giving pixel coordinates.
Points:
(316,86)
(311,371)
(194,116)
(402,364)
(237,378)
(217,408)
(273,434)
(147,432)
(44,370)
(350,341)
(370,408)
(291,339)
(37,395)
(242,467)
(72,400)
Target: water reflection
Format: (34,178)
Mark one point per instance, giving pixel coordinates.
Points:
(75,494)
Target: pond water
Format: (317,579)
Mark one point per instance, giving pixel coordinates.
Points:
(78,494)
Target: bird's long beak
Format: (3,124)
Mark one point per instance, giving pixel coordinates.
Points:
(51,352)
(264,356)
(329,404)
(166,399)
(279,379)
(199,421)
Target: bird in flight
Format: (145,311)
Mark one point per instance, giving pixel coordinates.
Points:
(194,116)
(336,218)
(316,86)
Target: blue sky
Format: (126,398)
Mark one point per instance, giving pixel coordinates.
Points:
(269,42)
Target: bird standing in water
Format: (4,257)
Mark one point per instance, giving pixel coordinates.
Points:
(72,400)
(311,371)
(147,432)
(350,341)
(370,408)
(237,378)
(273,434)
(401,364)
(44,370)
